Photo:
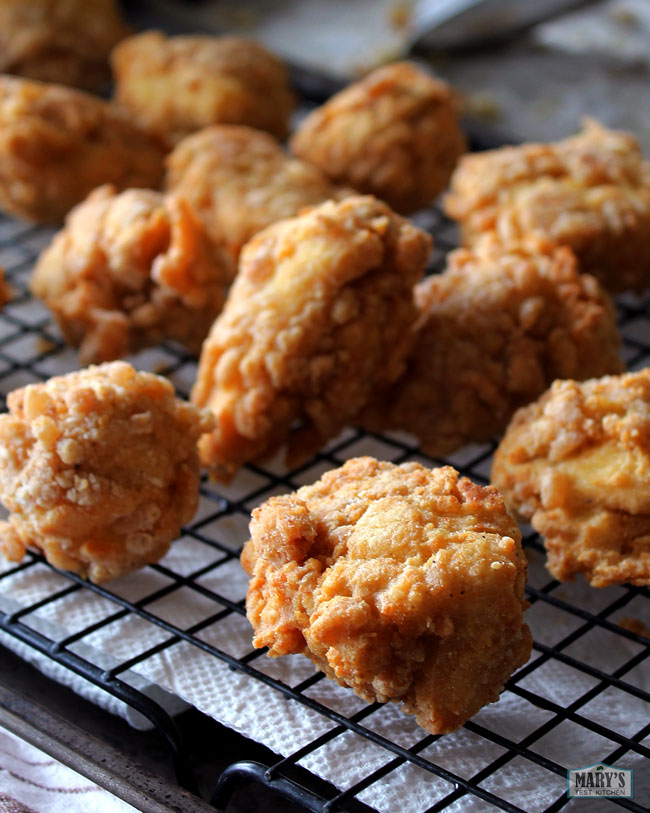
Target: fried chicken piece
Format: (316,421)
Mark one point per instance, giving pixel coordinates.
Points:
(130,270)
(240,180)
(63,41)
(176,85)
(495,329)
(577,465)
(58,144)
(394,134)
(318,316)
(99,469)
(590,192)
(404,583)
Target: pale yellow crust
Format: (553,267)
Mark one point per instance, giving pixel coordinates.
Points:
(495,329)
(240,180)
(404,583)
(394,134)
(177,85)
(57,144)
(62,41)
(590,192)
(99,469)
(317,318)
(130,270)
(577,465)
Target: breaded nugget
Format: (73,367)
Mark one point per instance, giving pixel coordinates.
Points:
(58,144)
(495,329)
(99,469)
(590,192)
(318,316)
(394,134)
(577,465)
(63,41)
(130,270)
(240,180)
(404,583)
(176,85)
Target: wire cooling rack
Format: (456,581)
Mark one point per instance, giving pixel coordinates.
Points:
(584,696)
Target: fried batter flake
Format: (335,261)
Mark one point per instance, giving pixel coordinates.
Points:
(403,583)
(5,290)
(317,318)
(177,85)
(58,144)
(394,134)
(240,180)
(130,270)
(99,469)
(495,329)
(577,465)
(590,192)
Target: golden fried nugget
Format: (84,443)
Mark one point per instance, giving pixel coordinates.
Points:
(130,270)
(176,85)
(576,464)
(318,316)
(240,180)
(58,144)
(62,41)
(495,329)
(99,469)
(403,583)
(590,192)
(394,134)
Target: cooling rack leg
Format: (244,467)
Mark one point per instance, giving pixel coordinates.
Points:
(88,756)
(256,772)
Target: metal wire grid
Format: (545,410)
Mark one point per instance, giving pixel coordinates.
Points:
(31,349)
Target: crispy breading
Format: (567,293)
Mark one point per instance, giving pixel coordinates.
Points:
(58,144)
(577,465)
(176,85)
(129,270)
(99,469)
(404,583)
(590,192)
(318,316)
(394,134)
(240,180)
(495,329)
(63,41)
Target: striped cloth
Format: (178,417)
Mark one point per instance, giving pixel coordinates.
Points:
(33,782)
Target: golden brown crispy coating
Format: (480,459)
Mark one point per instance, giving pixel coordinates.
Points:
(58,144)
(62,41)
(394,134)
(240,180)
(495,329)
(590,192)
(403,583)
(176,85)
(577,465)
(99,469)
(129,270)
(318,316)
